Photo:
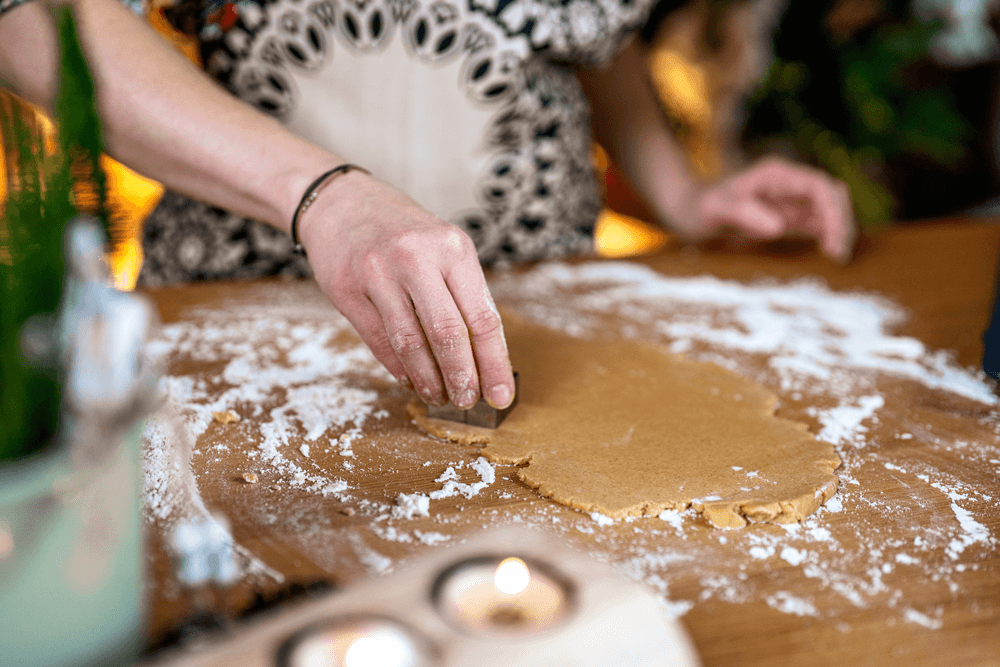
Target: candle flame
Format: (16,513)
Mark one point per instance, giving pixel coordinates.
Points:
(512,576)
(380,649)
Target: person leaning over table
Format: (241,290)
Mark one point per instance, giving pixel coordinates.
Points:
(499,163)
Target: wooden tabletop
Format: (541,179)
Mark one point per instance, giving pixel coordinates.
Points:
(904,568)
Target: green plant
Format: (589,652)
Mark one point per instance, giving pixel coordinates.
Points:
(853,103)
(45,193)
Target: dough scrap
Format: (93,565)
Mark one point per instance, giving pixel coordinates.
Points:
(624,428)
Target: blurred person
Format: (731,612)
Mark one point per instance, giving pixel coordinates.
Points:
(479,112)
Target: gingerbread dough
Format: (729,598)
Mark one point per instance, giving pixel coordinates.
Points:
(626,429)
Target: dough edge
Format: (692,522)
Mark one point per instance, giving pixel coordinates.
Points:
(719,513)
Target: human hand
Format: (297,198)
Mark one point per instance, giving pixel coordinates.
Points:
(774,198)
(412,286)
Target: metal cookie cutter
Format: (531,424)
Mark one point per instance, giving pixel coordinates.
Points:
(481,414)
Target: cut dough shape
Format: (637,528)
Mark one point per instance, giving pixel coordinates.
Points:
(626,429)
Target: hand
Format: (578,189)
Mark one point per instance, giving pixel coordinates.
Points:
(412,286)
(774,198)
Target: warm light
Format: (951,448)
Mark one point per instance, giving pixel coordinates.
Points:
(681,85)
(131,197)
(358,642)
(618,235)
(502,597)
(512,576)
(380,649)
(684,88)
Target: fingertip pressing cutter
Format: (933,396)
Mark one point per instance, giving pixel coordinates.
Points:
(481,414)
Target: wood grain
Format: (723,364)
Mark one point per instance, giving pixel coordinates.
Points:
(870,609)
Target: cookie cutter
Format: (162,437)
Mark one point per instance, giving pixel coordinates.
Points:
(481,414)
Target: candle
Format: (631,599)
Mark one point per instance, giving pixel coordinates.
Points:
(503,597)
(356,642)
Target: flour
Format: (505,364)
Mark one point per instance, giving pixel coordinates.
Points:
(793,556)
(787,603)
(831,353)
(315,398)
(843,425)
(601,519)
(807,330)
(409,505)
(914,616)
(430,538)
(452,487)
(673,517)
(171,498)
(817,346)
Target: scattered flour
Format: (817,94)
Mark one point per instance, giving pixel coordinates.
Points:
(787,603)
(431,538)
(843,425)
(914,616)
(806,329)
(411,505)
(601,519)
(820,347)
(815,345)
(452,487)
(672,517)
(793,556)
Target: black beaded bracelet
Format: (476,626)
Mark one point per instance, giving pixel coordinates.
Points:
(310,196)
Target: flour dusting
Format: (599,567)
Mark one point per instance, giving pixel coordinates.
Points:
(306,390)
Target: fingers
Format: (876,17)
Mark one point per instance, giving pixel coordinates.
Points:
(775,197)
(825,204)
(729,207)
(468,286)
(449,339)
(437,324)
(412,286)
(367,321)
(406,339)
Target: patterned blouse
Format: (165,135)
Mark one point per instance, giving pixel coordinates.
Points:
(468,106)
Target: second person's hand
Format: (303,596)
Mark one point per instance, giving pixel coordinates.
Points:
(412,286)
(773,198)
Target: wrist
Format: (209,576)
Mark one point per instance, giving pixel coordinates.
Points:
(286,185)
(663,178)
(334,198)
(312,193)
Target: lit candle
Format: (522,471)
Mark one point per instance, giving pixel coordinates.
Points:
(356,642)
(503,596)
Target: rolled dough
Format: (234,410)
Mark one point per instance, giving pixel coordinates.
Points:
(626,429)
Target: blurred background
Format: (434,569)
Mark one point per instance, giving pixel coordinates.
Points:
(898,98)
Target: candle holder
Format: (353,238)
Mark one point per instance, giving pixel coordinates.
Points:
(482,603)
(498,596)
(356,641)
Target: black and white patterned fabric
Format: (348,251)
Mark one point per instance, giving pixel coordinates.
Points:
(10,4)
(186,240)
(515,173)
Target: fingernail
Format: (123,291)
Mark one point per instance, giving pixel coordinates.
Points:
(430,398)
(465,399)
(500,396)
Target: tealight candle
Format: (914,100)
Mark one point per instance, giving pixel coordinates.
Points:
(498,596)
(356,642)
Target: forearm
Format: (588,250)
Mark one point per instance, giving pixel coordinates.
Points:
(161,115)
(628,122)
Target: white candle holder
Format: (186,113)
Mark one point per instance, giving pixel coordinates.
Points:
(506,598)
(503,596)
(357,641)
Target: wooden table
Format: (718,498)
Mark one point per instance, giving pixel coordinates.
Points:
(885,584)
